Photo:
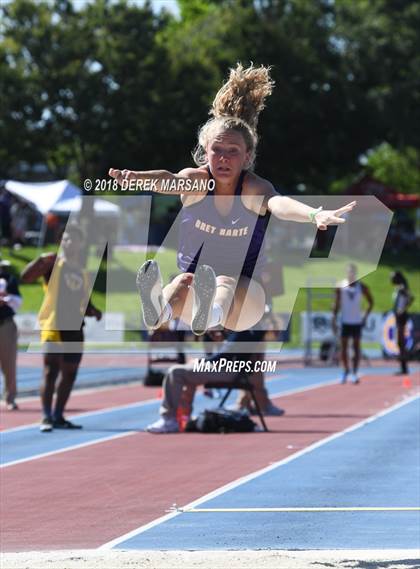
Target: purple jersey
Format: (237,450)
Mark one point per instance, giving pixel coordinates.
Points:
(232,244)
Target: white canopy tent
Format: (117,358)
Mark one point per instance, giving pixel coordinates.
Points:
(60,197)
(57,197)
(103,208)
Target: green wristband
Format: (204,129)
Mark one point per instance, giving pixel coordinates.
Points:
(313,214)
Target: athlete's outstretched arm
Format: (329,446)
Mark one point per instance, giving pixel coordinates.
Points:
(292,210)
(161,181)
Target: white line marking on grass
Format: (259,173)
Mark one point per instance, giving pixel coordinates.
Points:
(243,480)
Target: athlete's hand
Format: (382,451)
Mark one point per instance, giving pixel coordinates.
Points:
(332,217)
(122,175)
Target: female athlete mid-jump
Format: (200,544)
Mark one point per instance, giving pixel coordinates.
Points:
(212,294)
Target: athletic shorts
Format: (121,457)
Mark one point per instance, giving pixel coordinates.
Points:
(351,330)
(72,353)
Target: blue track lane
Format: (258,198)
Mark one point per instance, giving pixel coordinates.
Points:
(375,465)
(26,442)
(29,378)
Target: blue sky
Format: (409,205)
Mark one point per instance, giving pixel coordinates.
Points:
(171,5)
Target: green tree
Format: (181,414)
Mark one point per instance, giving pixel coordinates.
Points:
(399,169)
(115,84)
(96,79)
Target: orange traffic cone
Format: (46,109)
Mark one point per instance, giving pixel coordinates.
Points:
(407,383)
(182,416)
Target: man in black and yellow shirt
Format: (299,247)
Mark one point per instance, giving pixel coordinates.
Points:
(61,317)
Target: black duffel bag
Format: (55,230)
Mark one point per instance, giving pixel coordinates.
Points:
(221,421)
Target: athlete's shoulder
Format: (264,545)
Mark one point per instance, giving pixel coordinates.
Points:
(253,183)
(42,266)
(200,173)
(254,188)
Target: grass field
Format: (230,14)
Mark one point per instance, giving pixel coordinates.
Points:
(125,263)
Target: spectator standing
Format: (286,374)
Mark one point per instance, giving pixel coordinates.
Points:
(10,302)
(402,298)
(5,218)
(61,318)
(348,300)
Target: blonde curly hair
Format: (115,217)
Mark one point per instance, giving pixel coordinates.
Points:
(236,107)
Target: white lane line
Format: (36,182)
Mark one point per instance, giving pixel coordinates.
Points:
(68,449)
(77,391)
(253,475)
(149,401)
(302,389)
(324,509)
(123,407)
(87,414)
(112,437)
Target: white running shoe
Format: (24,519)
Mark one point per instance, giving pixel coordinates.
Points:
(344,377)
(354,378)
(163,425)
(149,284)
(273,411)
(270,411)
(204,291)
(46,425)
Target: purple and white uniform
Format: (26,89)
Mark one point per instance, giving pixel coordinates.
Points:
(232,245)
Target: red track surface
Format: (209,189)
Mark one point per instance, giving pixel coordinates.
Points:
(86,497)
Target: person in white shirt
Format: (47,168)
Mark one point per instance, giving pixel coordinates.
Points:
(348,301)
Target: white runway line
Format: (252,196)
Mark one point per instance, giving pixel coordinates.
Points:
(323,509)
(240,481)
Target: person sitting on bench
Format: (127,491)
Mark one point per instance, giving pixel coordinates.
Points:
(221,367)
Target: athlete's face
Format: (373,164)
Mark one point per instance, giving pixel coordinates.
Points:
(71,243)
(227,155)
(351,274)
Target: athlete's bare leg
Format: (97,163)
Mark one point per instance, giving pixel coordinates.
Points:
(242,304)
(356,353)
(248,304)
(178,294)
(344,354)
